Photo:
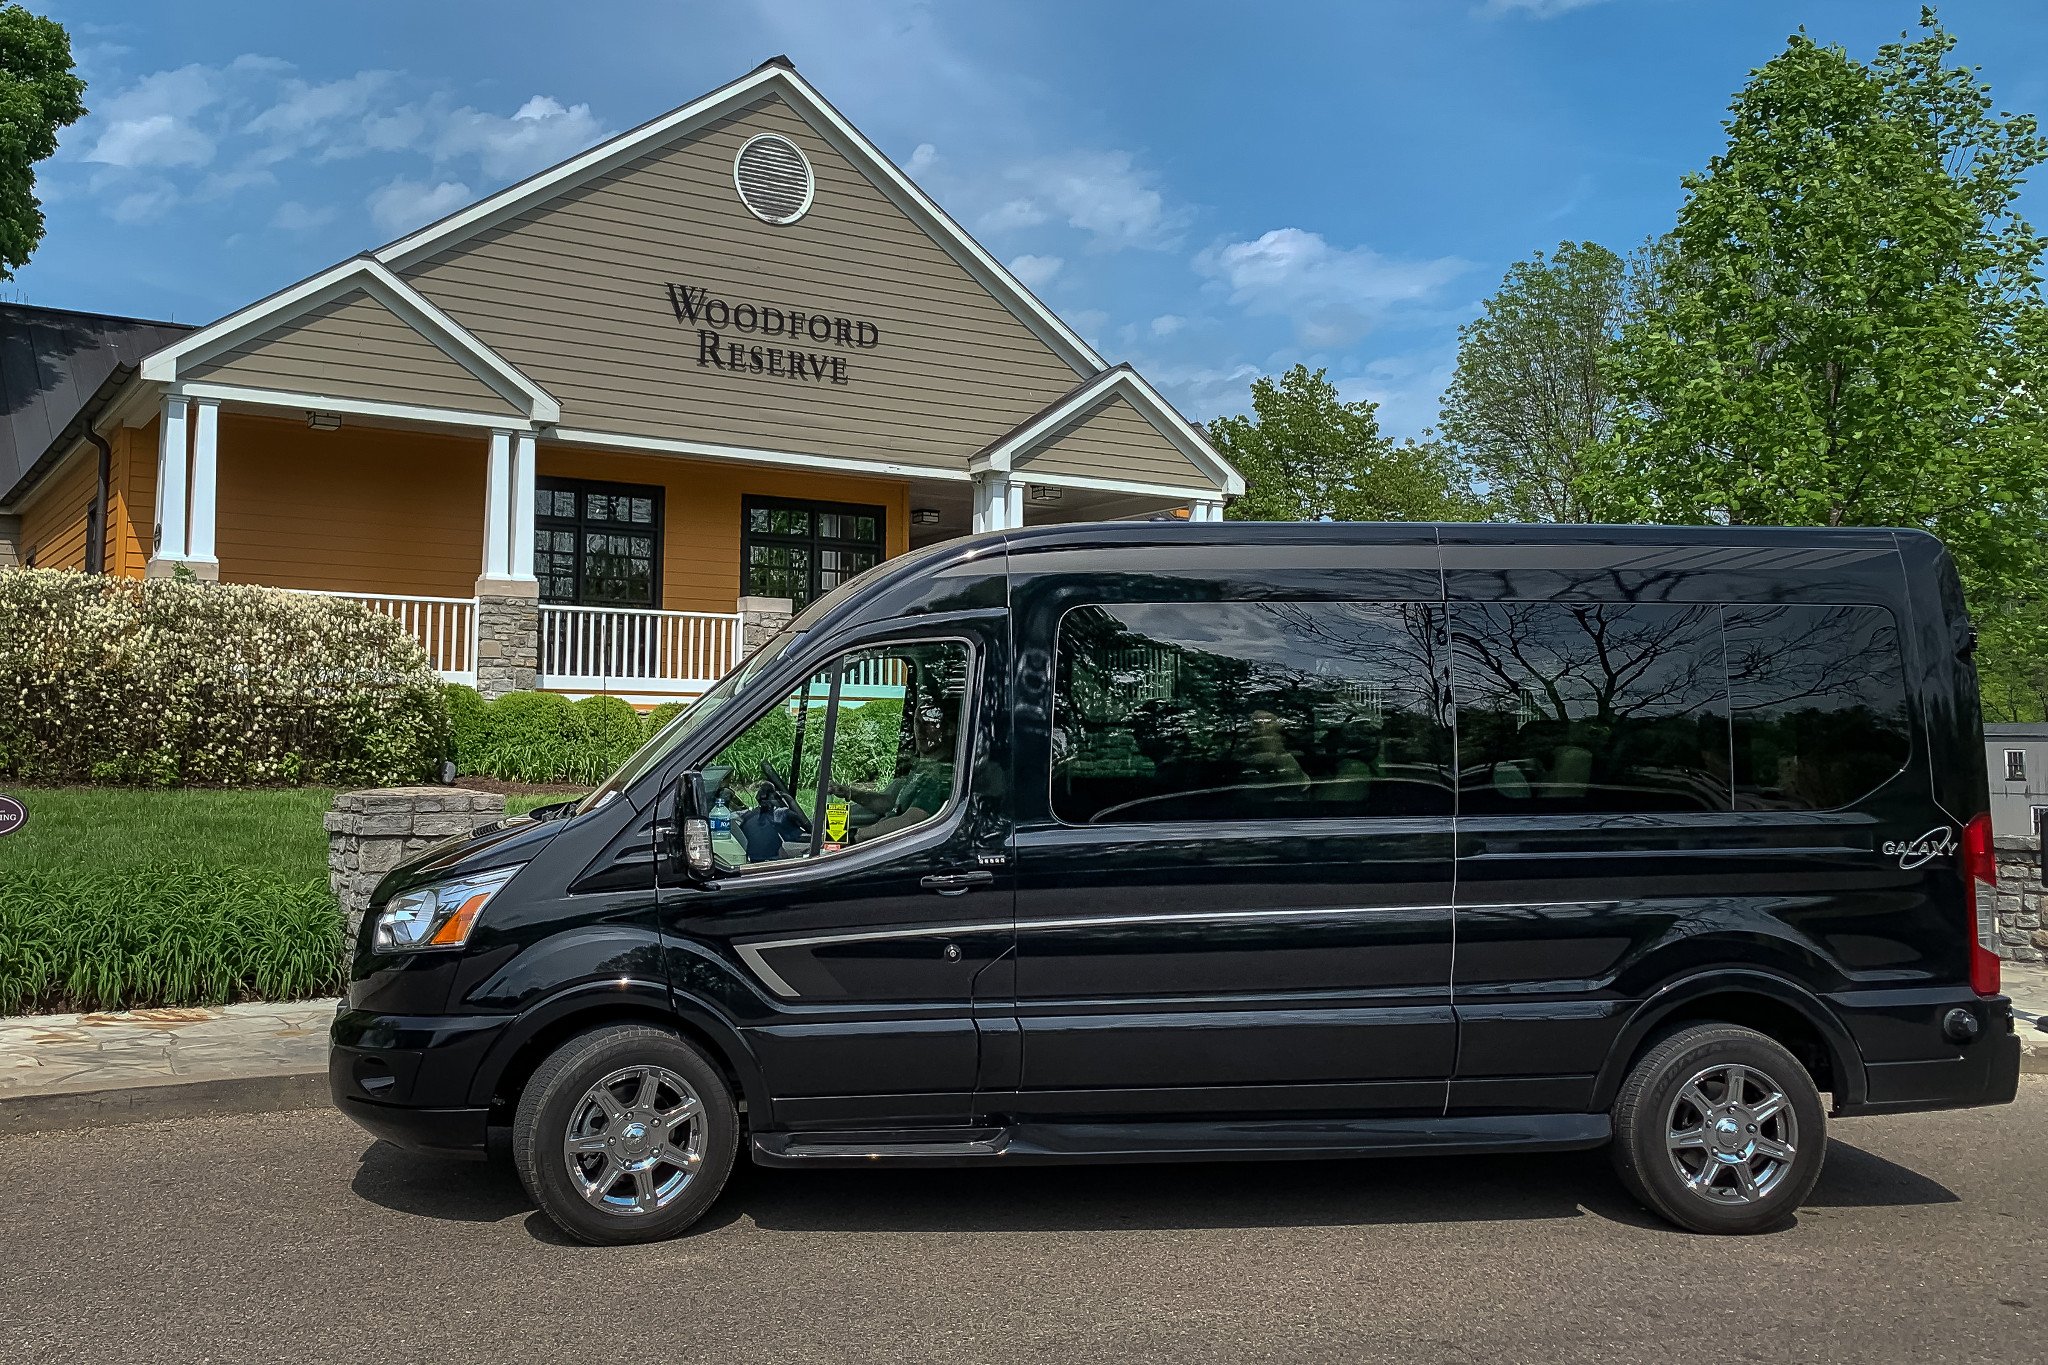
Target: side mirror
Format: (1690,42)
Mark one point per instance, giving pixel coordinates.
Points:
(691,827)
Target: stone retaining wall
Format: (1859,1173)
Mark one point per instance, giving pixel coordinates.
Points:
(371,832)
(2022,930)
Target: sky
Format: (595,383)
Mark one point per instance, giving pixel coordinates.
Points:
(1211,191)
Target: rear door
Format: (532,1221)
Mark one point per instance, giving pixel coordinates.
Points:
(1235,853)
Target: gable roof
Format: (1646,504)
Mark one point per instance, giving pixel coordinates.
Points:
(54,363)
(775,76)
(1034,433)
(372,277)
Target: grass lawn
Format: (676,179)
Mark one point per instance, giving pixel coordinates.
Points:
(273,831)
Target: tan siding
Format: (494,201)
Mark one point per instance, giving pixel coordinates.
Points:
(573,292)
(700,547)
(53,526)
(353,347)
(1115,442)
(359,509)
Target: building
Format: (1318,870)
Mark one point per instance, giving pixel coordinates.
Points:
(2017,756)
(575,432)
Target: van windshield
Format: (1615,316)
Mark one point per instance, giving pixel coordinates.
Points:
(728,689)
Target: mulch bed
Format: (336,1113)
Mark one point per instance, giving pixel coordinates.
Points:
(477,783)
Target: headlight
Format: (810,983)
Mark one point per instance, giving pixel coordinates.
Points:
(437,916)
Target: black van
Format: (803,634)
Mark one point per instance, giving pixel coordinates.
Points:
(1156,842)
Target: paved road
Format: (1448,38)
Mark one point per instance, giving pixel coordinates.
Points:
(293,1237)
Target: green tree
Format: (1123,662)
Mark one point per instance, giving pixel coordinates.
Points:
(38,96)
(1846,326)
(1306,454)
(1531,396)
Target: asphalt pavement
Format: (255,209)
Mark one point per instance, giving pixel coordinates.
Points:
(293,1236)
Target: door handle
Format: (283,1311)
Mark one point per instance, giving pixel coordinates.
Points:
(956,883)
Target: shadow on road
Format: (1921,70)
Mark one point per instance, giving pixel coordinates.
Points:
(1106,1198)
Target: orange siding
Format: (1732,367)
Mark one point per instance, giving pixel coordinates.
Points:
(361,509)
(53,526)
(700,568)
(131,501)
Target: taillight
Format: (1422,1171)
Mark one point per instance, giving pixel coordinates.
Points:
(1980,880)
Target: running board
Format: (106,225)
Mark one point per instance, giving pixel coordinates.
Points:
(1241,1140)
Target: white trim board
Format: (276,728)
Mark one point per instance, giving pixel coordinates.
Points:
(404,302)
(708,450)
(1010,453)
(349,407)
(828,123)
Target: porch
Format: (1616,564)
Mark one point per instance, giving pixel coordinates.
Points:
(640,574)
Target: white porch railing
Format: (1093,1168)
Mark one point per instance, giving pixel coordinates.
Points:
(636,652)
(444,626)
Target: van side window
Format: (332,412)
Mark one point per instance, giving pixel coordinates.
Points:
(1178,712)
(889,751)
(1598,707)
(1818,703)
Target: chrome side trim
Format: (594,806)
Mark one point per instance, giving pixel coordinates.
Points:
(752,953)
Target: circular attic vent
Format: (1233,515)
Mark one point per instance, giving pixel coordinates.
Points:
(774,180)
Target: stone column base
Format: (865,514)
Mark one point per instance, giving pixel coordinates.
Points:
(760,618)
(507,635)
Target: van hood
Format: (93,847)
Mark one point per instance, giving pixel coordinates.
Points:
(509,842)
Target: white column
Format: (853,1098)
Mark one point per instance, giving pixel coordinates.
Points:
(205,481)
(1012,495)
(497,507)
(522,506)
(1207,510)
(171,457)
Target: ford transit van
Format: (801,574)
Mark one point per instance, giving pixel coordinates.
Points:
(1161,842)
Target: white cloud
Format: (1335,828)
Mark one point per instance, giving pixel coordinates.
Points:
(922,158)
(1408,389)
(1036,271)
(1204,390)
(1166,324)
(1103,193)
(293,216)
(154,122)
(403,204)
(152,140)
(539,133)
(1332,295)
(144,205)
(309,115)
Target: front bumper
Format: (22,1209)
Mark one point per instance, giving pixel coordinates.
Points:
(411,1080)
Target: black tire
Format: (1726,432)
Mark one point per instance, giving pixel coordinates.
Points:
(559,1095)
(1701,1188)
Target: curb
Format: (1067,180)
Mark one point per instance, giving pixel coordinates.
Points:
(149,1103)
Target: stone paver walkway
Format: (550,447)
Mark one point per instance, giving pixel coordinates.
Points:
(56,1054)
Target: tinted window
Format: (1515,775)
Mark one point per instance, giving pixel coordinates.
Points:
(895,751)
(1240,710)
(1818,704)
(1589,707)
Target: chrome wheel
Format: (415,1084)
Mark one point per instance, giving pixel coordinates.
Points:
(1731,1134)
(635,1140)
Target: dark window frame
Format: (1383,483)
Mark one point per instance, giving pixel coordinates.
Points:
(812,540)
(580,524)
(2015,765)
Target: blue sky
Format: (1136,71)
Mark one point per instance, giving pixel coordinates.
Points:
(1209,190)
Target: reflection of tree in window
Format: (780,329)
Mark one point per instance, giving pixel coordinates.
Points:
(1212,711)
(1818,704)
(1590,706)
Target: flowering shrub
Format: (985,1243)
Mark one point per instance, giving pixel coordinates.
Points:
(170,683)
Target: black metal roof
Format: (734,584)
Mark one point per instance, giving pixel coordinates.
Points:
(53,363)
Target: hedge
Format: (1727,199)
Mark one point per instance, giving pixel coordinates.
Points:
(184,935)
(167,683)
(543,736)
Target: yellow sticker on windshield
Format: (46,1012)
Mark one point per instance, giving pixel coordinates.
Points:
(835,821)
